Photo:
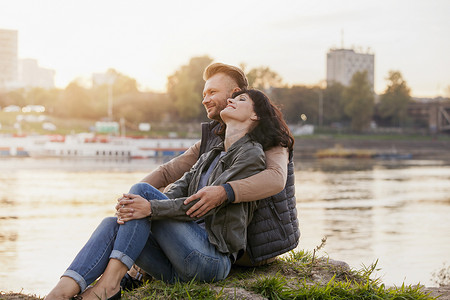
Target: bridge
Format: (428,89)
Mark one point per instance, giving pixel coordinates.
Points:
(436,114)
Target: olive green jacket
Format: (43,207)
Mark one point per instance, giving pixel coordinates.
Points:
(226,224)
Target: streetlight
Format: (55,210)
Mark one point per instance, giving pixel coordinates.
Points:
(303,117)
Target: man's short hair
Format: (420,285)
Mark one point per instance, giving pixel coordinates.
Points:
(234,72)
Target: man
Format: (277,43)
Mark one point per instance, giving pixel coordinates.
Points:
(274,228)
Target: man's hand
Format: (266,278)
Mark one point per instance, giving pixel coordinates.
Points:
(210,197)
(132,207)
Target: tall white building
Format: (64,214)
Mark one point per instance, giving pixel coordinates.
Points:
(343,63)
(32,75)
(8,57)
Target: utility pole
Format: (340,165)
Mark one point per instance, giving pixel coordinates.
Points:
(110,102)
(321,86)
(320,108)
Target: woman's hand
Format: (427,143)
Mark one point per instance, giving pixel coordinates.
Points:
(132,207)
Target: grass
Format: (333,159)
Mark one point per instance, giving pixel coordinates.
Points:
(65,126)
(298,275)
(71,125)
(161,290)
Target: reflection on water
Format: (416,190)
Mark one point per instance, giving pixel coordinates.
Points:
(394,211)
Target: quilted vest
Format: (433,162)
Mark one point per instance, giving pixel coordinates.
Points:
(274,228)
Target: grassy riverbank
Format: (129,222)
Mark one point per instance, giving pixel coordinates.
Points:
(299,275)
(419,146)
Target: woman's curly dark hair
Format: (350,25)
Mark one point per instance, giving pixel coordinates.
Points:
(271,130)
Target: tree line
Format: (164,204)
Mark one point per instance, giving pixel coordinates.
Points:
(353,106)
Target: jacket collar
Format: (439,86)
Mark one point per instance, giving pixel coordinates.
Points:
(234,146)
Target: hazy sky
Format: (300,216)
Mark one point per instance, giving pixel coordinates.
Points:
(148,40)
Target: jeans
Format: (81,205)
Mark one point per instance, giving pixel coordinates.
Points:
(169,250)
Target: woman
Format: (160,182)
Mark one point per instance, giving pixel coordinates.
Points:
(153,230)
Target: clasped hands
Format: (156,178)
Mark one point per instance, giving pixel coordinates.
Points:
(132,207)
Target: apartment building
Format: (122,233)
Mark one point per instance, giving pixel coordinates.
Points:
(32,75)
(342,64)
(8,57)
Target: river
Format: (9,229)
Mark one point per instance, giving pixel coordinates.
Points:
(395,212)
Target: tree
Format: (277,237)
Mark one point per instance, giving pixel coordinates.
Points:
(113,86)
(295,101)
(37,96)
(358,101)
(263,78)
(332,108)
(15,97)
(185,88)
(142,107)
(75,102)
(100,95)
(394,101)
(121,83)
(46,97)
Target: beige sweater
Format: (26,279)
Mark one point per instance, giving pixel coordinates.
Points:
(269,182)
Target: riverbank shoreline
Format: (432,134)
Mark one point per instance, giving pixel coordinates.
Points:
(299,275)
(439,148)
(441,293)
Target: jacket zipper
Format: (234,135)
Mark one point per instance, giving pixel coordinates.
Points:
(275,212)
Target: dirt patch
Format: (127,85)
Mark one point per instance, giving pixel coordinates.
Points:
(14,296)
(443,292)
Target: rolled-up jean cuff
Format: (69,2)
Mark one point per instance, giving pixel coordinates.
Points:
(125,259)
(78,279)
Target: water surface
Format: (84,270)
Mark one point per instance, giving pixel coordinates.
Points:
(393,211)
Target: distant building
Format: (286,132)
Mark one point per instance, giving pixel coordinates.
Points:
(8,57)
(32,75)
(342,64)
(99,79)
(15,73)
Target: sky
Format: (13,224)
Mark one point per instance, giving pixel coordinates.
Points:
(149,40)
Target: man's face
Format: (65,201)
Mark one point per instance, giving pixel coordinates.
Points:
(217,90)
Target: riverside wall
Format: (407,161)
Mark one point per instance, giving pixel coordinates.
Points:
(419,149)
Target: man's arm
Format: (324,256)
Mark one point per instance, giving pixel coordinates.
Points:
(174,169)
(251,162)
(267,183)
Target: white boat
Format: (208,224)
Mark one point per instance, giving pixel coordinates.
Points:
(16,145)
(89,146)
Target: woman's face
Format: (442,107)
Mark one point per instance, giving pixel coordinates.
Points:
(239,108)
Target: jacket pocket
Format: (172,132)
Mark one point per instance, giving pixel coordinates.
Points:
(278,219)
